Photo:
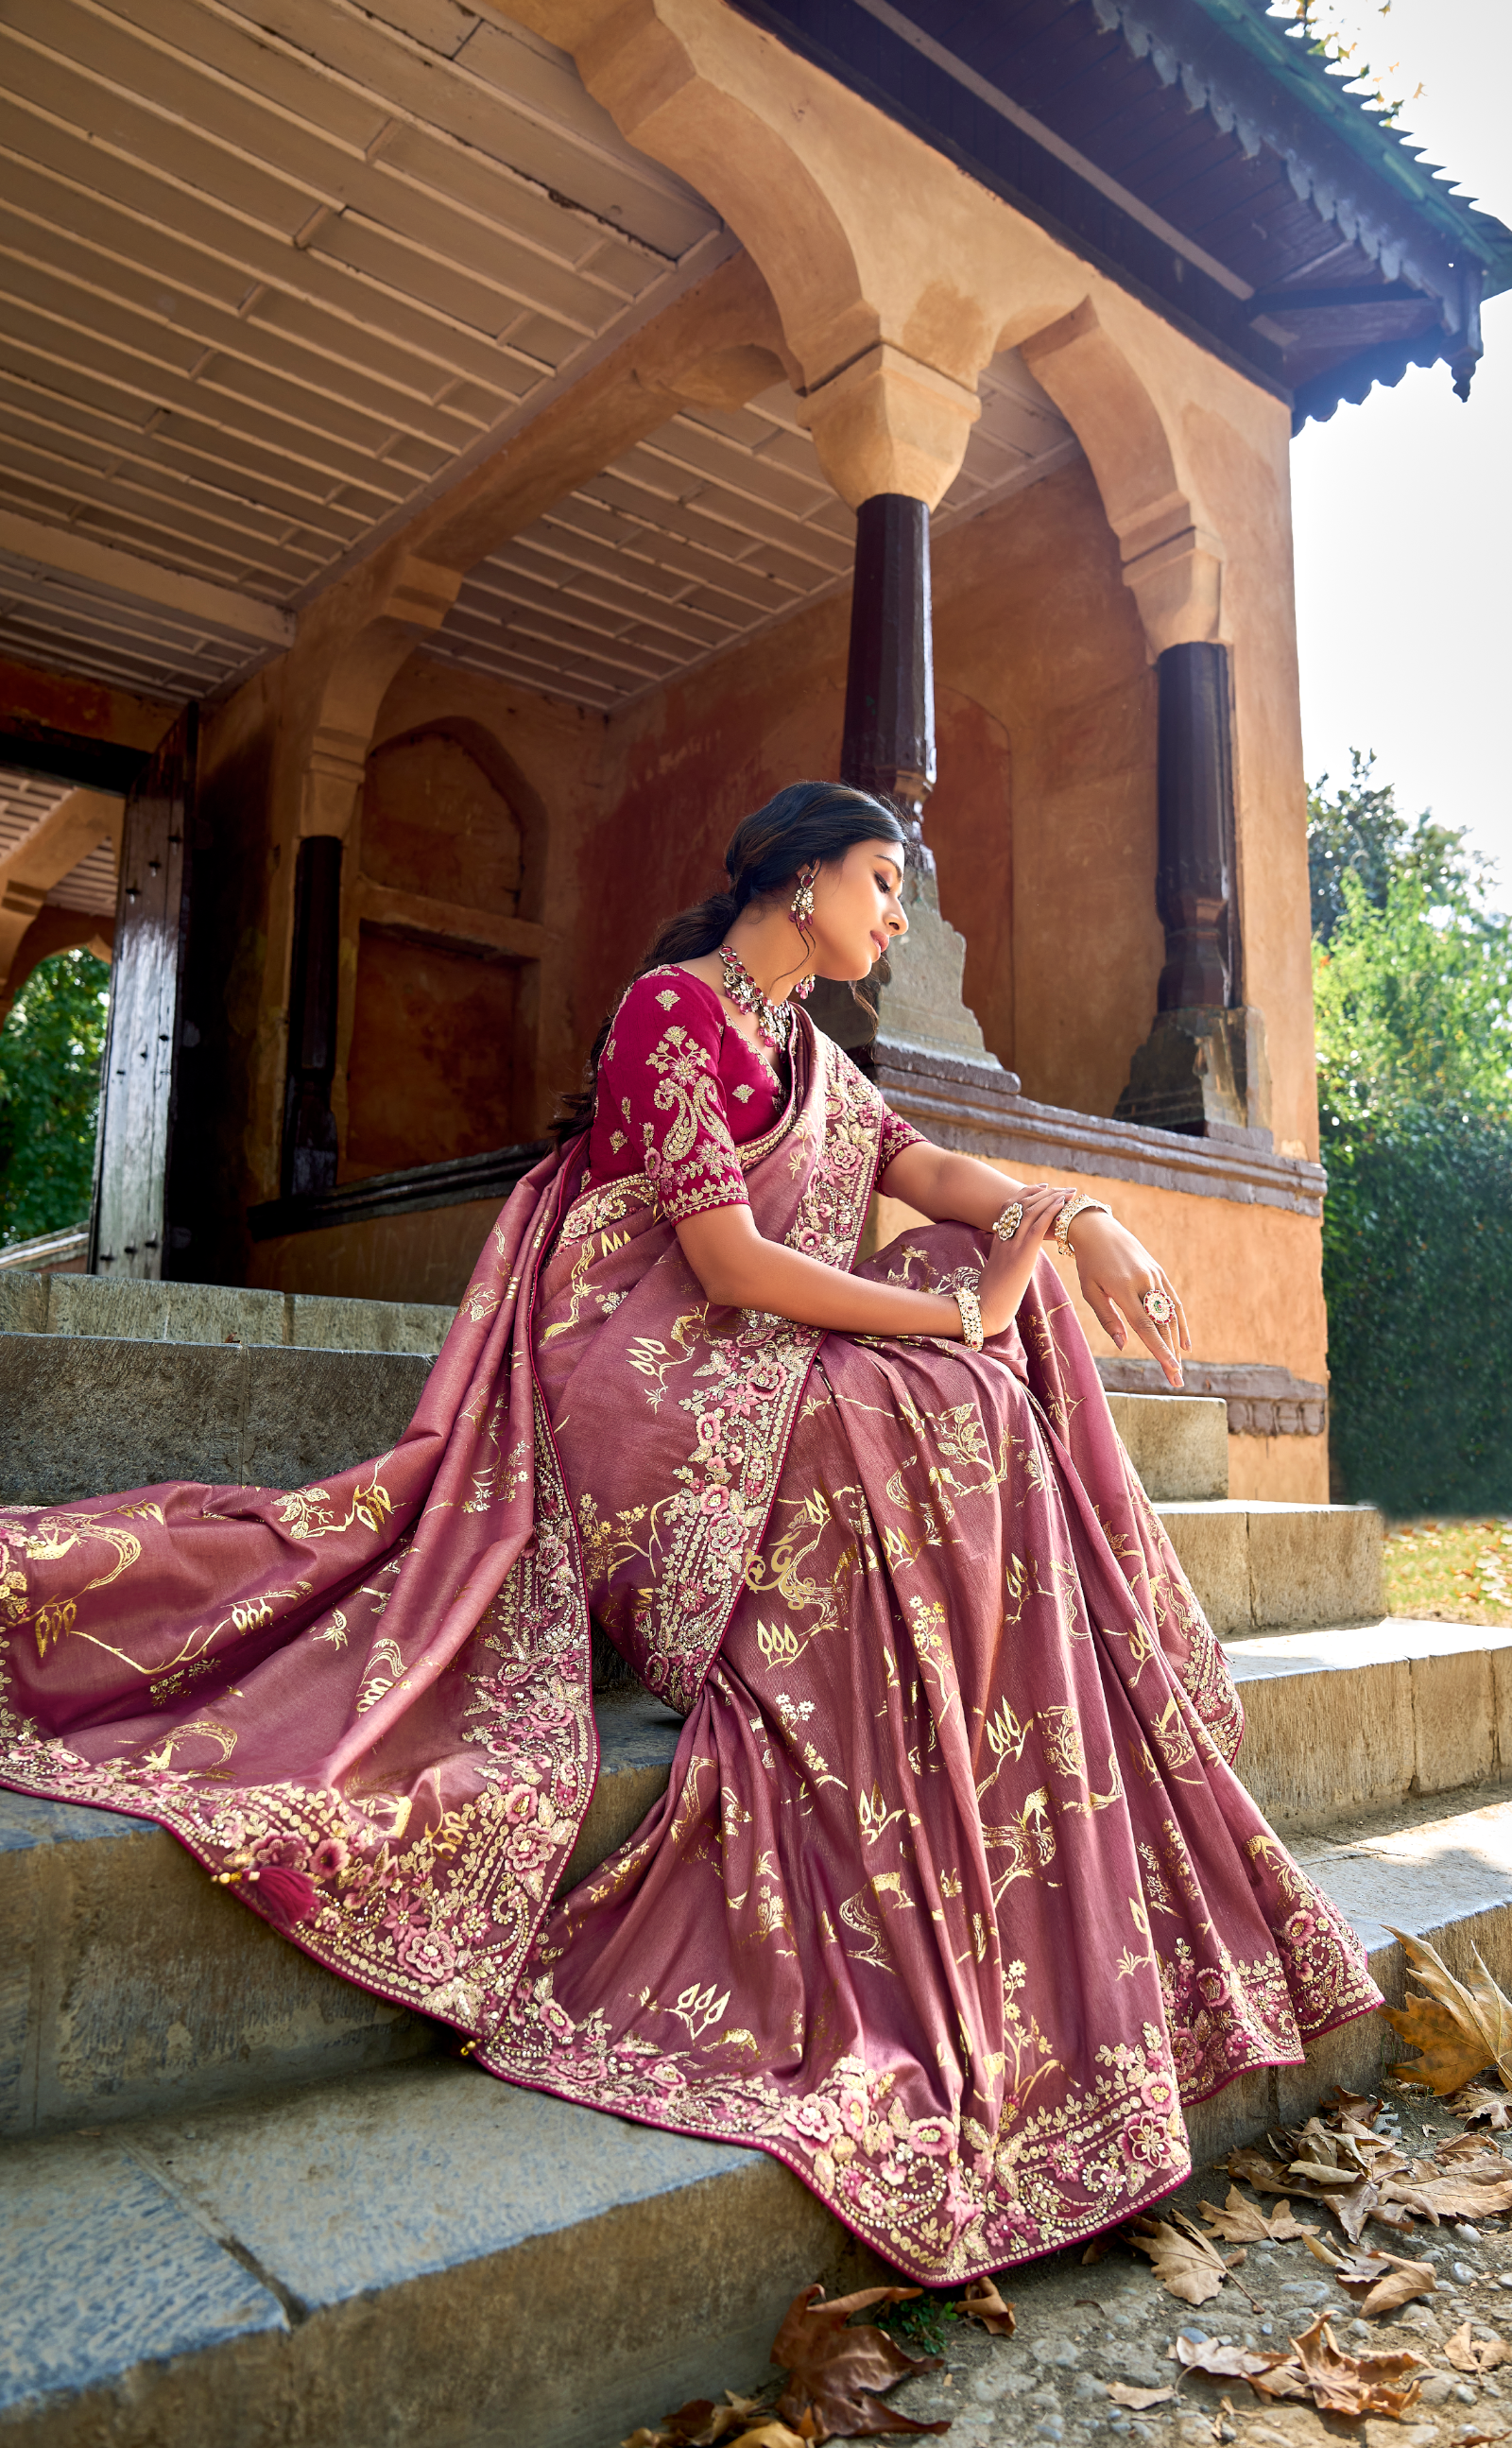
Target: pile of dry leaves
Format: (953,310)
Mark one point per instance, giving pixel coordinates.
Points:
(1359,2177)
(838,2373)
(839,2369)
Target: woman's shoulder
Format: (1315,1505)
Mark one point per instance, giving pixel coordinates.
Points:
(660,999)
(657,994)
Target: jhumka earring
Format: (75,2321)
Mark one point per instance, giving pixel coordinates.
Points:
(802,910)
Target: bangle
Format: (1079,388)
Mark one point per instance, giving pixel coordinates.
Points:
(971,1308)
(1078,1204)
(1008,1222)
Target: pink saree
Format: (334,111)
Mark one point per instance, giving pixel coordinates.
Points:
(953,1898)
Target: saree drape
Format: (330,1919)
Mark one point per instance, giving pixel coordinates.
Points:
(953,1898)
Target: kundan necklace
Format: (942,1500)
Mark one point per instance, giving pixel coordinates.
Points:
(773,1020)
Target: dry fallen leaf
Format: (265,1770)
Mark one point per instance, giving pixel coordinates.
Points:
(1340,2384)
(1458,2029)
(701,2423)
(1238,2221)
(1471,2354)
(1266,2174)
(1476,2102)
(1387,2280)
(1098,2250)
(1220,2359)
(1186,2265)
(773,2435)
(982,2303)
(1138,2400)
(838,2374)
(1355,2385)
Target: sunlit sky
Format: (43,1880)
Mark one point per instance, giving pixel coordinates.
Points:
(1402,506)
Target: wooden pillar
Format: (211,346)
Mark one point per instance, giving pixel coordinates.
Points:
(1195,885)
(309,1125)
(131,1227)
(887,744)
(1203,1068)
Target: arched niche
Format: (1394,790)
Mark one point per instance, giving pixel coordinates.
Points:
(446,814)
(448,856)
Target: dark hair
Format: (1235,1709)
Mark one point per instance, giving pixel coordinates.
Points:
(808,823)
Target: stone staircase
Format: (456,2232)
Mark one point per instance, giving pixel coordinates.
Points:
(246,2204)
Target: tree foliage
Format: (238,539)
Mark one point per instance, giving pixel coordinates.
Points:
(1359,833)
(50,1050)
(1413,987)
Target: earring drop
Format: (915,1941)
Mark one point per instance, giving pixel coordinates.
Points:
(802,910)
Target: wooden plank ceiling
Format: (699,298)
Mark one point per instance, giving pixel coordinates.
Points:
(25,799)
(714,527)
(273,273)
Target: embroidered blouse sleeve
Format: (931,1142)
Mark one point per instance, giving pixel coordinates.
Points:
(661,1076)
(896,1136)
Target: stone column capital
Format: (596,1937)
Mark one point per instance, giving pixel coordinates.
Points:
(1177,580)
(888,423)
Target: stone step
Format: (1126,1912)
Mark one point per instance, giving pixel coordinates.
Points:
(129,1981)
(124,1389)
(1259,1567)
(132,1982)
(423,2252)
(141,1313)
(1177,1442)
(1368,1716)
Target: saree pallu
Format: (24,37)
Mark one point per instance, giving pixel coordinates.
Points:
(953,1898)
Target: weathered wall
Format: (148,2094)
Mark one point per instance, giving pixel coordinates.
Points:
(36,702)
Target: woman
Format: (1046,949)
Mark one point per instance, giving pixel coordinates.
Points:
(953,1898)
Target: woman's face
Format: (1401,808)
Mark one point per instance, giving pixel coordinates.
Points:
(856,909)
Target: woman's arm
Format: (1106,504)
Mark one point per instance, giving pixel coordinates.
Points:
(738,1268)
(1114,1266)
(949,1188)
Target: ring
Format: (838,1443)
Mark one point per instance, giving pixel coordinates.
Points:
(1008,1222)
(1157,1305)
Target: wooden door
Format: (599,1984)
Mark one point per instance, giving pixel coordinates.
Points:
(131,1228)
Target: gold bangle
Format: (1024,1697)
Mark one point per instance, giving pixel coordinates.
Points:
(1078,1204)
(1007,1223)
(971,1308)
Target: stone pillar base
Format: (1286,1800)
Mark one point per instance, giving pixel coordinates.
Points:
(918,1003)
(1203,1071)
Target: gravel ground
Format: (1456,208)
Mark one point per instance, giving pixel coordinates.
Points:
(1080,2328)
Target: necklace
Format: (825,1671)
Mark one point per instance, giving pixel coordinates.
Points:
(773,1020)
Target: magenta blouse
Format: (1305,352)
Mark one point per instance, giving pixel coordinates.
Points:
(681,1092)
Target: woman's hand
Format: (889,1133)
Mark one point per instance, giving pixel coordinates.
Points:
(1116,1268)
(1006,1276)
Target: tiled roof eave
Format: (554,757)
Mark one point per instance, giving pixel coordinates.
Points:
(1270,89)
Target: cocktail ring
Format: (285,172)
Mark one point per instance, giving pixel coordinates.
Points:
(1007,1223)
(1157,1305)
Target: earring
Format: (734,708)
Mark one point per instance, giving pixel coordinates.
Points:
(803,910)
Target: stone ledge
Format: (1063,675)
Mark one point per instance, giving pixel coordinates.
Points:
(965,1105)
(1262,1401)
(143,1312)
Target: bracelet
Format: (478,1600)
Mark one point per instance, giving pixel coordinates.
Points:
(1078,1204)
(1008,1222)
(971,1308)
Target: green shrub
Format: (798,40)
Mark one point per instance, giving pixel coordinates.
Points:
(1417,1271)
(50,1049)
(1413,993)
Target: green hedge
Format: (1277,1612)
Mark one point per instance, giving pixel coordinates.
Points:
(1417,1269)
